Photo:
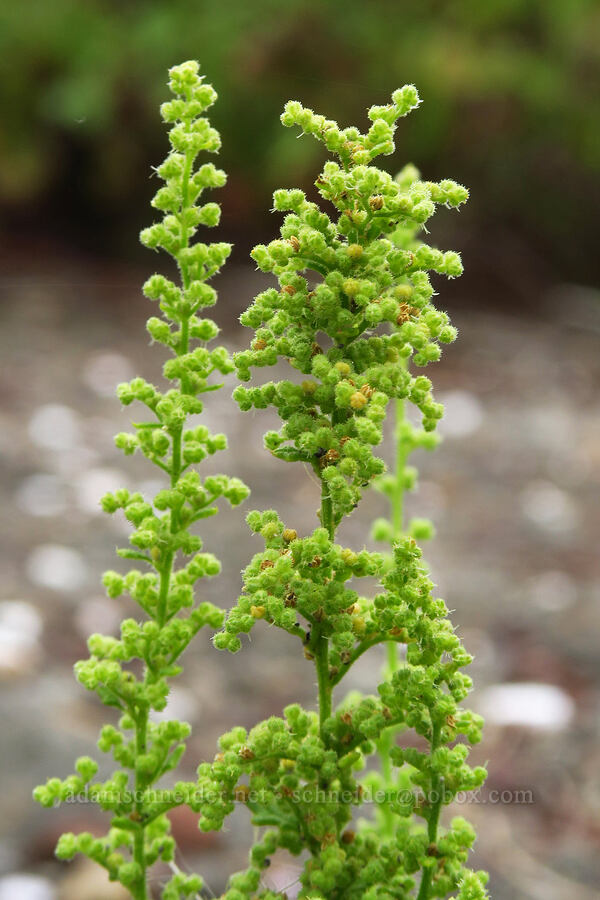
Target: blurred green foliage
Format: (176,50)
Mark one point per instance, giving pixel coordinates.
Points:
(510,87)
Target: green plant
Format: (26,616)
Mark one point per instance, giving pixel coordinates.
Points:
(146,750)
(342,280)
(352,311)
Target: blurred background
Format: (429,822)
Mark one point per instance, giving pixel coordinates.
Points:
(511,109)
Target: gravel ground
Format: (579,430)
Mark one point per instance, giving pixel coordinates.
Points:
(514,492)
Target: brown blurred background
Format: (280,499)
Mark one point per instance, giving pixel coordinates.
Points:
(510,108)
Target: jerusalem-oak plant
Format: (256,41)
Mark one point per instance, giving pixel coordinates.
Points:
(341,281)
(145,749)
(357,788)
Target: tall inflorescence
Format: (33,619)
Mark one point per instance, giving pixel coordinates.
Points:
(132,673)
(353,308)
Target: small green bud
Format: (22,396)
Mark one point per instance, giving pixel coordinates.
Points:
(421,529)
(67,846)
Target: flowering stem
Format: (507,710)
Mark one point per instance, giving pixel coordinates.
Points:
(432,819)
(327,510)
(332,420)
(401,455)
(320,642)
(321,645)
(387,740)
(160,524)
(139,855)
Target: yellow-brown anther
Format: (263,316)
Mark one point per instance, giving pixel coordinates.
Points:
(405,313)
(399,632)
(330,458)
(241,793)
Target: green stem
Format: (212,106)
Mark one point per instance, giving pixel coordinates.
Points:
(163,593)
(327,510)
(388,738)
(138,889)
(433,819)
(319,641)
(401,457)
(321,648)
(176,461)
(176,436)
(358,652)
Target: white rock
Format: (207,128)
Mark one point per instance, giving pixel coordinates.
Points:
(42,495)
(56,567)
(181,704)
(549,507)
(463,414)
(73,460)
(528,704)
(90,486)
(54,426)
(26,887)
(103,371)
(553,590)
(20,627)
(98,614)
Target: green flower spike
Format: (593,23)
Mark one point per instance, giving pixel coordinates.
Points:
(162,539)
(351,311)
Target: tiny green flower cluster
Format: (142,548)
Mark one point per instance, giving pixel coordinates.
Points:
(307,578)
(325,329)
(292,775)
(146,750)
(353,309)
